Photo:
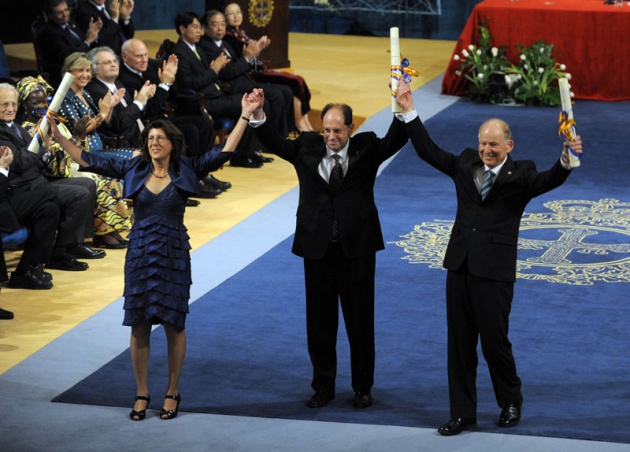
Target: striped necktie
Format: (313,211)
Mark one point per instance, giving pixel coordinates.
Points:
(487,184)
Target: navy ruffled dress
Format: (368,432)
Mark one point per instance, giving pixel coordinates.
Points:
(157,264)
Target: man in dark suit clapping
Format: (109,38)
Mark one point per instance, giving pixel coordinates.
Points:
(492,192)
(338,233)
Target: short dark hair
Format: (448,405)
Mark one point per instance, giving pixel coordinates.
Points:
(50,4)
(209,15)
(345,109)
(184,19)
(175,136)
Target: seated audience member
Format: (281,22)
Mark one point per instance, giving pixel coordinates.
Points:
(111,215)
(78,103)
(241,43)
(136,70)
(4,277)
(35,209)
(197,74)
(237,73)
(61,36)
(126,117)
(115,16)
(76,197)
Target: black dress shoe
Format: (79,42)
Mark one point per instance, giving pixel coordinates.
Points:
(99,242)
(66,262)
(28,280)
(263,158)
(456,425)
(362,400)
(320,399)
(207,191)
(38,270)
(83,251)
(214,182)
(510,415)
(192,202)
(5,315)
(246,163)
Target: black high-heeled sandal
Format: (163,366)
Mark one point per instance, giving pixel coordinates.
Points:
(140,415)
(171,414)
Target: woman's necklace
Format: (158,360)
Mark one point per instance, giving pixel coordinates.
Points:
(158,176)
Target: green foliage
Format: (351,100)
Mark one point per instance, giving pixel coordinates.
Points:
(493,78)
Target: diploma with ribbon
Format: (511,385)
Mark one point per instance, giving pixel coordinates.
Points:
(399,67)
(566,127)
(51,113)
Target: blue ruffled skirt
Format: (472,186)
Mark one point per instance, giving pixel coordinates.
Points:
(157,272)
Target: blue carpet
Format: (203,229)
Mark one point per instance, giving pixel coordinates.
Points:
(246,338)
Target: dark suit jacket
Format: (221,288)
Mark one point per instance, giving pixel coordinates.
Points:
(27,168)
(486,232)
(357,216)
(112,34)
(56,44)
(236,72)
(194,73)
(8,220)
(124,119)
(134,82)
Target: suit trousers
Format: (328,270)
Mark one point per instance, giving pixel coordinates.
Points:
(77,197)
(35,207)
(330,280)
(479,308)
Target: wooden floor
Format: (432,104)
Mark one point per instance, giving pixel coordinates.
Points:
(349,69)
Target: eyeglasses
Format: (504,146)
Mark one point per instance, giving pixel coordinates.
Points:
(108,62)
(335,131)
(158,138)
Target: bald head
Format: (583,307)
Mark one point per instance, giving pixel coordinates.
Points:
(135,54)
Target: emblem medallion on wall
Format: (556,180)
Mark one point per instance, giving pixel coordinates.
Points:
(260,12)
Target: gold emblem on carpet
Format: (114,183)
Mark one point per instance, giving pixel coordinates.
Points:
(578,242)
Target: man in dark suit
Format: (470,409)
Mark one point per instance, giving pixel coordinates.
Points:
(492,192)
(76,196)
(61,36)
(37,210)
(115,16)
(126,119)
(338,233)
(136,70)
(195,73)
(238,75)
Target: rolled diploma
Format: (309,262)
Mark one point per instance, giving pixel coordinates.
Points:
(565,99)
(64,86)
(394,46)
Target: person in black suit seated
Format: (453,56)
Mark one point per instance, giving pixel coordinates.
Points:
(195,73)
(36,209)
(61,36)
(138,68)
(115,16)
(75,196)
(492,192)
(238,74)
(126,118)
(338,233)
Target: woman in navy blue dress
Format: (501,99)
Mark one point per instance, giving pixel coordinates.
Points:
(157,264)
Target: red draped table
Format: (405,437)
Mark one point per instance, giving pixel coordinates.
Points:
(591,38)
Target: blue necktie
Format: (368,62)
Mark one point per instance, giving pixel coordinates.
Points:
(487,184)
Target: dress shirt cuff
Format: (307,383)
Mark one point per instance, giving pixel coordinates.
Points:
(407,117)
(4,171)
(139,104)
(164,86)
(257,122)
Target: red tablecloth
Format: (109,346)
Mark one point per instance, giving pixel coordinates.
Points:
(591,38)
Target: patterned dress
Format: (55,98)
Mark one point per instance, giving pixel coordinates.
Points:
(73,108)
(111,212)
(157,263)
